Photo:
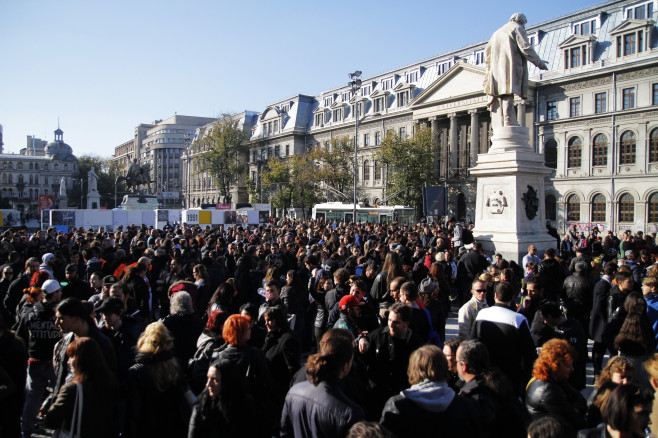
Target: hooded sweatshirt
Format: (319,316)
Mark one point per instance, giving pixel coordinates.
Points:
(430,396)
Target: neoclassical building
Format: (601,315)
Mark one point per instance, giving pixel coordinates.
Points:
(594,114)
(38,169)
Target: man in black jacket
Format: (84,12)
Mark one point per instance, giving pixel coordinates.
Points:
(15,291)
(577,292)
(386,352)
(38,330)
(506,334)
(471,265)
(552,274)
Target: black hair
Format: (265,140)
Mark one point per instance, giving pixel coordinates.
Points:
(476,357)
(617,413)
(504,292)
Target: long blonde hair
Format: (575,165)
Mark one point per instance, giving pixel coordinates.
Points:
(156,339)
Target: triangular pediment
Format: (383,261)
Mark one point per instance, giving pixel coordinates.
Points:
(630,25)
(575,40)
(403,86)
(379,93)
(461,80)
(319,109)
(338,104)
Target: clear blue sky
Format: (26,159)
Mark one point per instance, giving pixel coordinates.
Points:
(103,67)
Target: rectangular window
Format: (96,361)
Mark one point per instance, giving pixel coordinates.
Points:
(479,56)
(318,120)
(575,156)
(403,133)
(600,100)
(387,84)
(628,98)
(403,98)
(379,105)
(378,138)
(654,99)
(627,152)
(575,106)
(366,140)
(365,90)
(575,57)
(276,126)
(629,44)
(338,115)
(328,101)
(277,151)
(287,149)
(551,110)
(412,77)
(443,67)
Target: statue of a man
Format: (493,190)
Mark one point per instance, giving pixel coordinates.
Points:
(507,54)
(62,187)
(133,170)
(92,181)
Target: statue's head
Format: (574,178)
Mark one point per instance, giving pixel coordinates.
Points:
(520,18)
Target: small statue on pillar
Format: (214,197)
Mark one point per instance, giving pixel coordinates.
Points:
(507,53)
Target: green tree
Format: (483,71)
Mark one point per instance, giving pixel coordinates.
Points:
(276,179)
(227,150)
(410,162)
(303,170)
(107,172)
(336,164)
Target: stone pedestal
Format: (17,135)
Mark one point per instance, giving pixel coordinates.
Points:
(509,213)
(139,202)
(63,202)
(93,200)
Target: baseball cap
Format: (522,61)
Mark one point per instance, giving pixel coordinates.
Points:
(50,286)
(109,279)
(111,305)
(347,302)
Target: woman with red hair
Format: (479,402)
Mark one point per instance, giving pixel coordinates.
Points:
(250,362)
(549,392)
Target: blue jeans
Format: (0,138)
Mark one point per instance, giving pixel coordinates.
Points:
(39,376)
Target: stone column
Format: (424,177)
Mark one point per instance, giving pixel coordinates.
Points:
(454,145)
(475,136)
(435,138)
(521,113)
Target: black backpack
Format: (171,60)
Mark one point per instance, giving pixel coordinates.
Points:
(467,236)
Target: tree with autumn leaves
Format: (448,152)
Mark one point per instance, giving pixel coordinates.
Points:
(409,163)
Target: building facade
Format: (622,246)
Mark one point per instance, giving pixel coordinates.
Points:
(39,169)
(160,145)
(594,114)
(199,188)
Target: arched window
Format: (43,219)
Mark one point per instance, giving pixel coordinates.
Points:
(653,208)
(4,178)
(31,166)
(461,206)
(627,148)
(11,179)
(550,154)
(377,171)
(573,208)
(598,208)
(20,165)
(21,180)
(626,208)
(551,207)
(366,171)
(600,150)
(575,152)
(653,146)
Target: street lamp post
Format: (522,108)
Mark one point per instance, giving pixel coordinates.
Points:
(82,181)
(355,84)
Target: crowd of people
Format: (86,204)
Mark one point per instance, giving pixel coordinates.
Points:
(313,329)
